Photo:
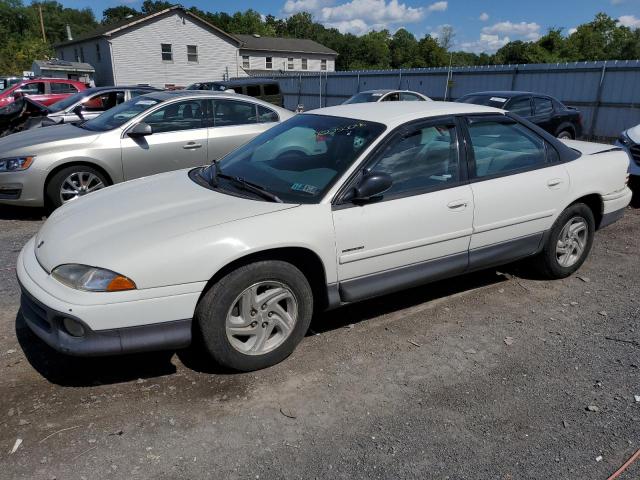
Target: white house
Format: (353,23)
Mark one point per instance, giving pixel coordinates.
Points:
(174,48)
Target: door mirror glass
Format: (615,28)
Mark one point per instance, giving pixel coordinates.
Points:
(140,130)
(372,185)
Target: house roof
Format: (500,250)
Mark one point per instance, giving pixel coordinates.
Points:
(116,27)
(63,65)
(278,44)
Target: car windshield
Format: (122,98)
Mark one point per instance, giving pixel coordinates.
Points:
(300,159)
(364,97)
(118,116)
(67,102)
(487,100)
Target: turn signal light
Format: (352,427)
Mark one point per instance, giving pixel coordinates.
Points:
(120,283)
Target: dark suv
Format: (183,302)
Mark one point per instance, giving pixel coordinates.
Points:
(543,110)
(267,90)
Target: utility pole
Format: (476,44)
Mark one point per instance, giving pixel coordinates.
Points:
(44,37)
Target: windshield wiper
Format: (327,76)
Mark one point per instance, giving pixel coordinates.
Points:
(249,187)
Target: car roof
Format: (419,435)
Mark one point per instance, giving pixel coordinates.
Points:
(396,113)
(166,95)
(387,90)
(115,87)
(508,93)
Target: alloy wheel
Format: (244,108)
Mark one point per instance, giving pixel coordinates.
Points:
(572,242)
(78,184)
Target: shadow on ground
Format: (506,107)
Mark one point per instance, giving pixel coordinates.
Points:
(77,372)
(8,212)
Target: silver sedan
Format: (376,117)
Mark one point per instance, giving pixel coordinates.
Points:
(149,134)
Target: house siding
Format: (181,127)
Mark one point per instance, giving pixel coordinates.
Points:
(137,53)
(258,61)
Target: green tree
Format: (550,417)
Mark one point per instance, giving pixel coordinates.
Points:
(153,6)
(115,14)
(404,50)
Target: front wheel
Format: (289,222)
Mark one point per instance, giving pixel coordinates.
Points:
(255,316)
(568,243)
(73,182)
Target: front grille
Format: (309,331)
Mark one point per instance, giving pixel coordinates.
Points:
(635,153)
(34,312)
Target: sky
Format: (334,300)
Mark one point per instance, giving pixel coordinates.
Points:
(479,25)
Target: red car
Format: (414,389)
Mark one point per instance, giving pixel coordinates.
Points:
(43,90)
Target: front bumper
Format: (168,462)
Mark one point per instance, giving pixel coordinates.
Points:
(24,188)
(633,150)
(47,324)
(114,323)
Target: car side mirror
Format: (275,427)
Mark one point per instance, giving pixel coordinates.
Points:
(77,110)
(372,185)
(140,130)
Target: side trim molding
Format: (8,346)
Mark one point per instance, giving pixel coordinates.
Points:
(501,253)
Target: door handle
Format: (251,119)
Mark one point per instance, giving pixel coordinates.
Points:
(192,145)
(554,182)
(457,204)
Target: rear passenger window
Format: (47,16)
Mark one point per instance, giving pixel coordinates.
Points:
(521,106)
(266,115)
(423,159)
(233,112)
(271,89)
(543,105)
(253,90)
(500,148)
(63,88)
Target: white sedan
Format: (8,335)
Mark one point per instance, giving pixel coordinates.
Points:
(330,207)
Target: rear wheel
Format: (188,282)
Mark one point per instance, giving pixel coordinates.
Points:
(255,316)
(568,243)
(73,182)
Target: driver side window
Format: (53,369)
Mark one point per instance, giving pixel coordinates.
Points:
(185,115)
(423,158)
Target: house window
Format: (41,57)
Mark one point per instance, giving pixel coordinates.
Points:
(304,64)
(82,54)
(246,64)
(269,63)
(290,63)
(323,64)
(167,53)
(98,56)
(192,53)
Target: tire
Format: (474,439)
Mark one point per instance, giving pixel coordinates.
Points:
(549,262)
(565,134)
(95,180)
(634,184)
(222,320)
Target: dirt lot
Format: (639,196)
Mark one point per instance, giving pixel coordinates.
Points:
(488,376)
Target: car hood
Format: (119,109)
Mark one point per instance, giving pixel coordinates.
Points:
(111,227)
(634,134)
(30,142)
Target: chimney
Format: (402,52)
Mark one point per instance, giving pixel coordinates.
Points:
(69,36)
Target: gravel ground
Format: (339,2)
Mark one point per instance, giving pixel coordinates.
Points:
(488,376)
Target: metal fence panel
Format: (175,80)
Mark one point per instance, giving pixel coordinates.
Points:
(607,93)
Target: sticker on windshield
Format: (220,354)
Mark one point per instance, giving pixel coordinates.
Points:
(303,187)
(498,99)
(146,102)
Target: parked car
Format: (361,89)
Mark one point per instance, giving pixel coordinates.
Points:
(630,141)
(152,133)
(386,96)
(330,207)
(267,90)
(43,90)
(543,110)
(91,102)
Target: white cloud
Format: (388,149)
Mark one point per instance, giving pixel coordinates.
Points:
(617,2)
(361,16)
(572,30)
(486,43)
(484,16)
(629,21)
(438,7)
(528,31)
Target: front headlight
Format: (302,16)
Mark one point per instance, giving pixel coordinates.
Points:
(92,279)
(624,139)
(15,164)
